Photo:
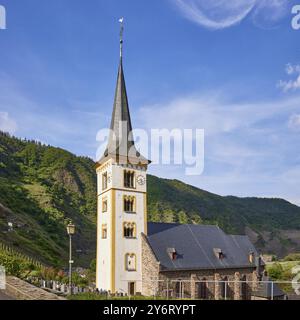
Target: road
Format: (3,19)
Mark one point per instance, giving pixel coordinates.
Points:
(3,296)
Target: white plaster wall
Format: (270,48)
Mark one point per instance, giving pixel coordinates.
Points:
(122,245)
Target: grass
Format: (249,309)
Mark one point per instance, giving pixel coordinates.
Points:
(282,271)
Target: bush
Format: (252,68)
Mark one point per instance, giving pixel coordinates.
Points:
(275,271)
(292,257)
(15,265)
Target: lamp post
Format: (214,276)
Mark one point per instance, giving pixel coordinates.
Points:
(71,232)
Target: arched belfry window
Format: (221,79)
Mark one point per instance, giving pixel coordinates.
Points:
(129,203)
(130,262)
(129,178)
(129,230)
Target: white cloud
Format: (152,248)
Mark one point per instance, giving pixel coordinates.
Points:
(248,149)
(7,124)
(213,113)
(292,69)
(267,12)
(294,122)
(292,84)
(220,14)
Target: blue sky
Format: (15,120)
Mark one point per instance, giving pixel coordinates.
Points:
(231,68)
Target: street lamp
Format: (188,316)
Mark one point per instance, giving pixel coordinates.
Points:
(71,232)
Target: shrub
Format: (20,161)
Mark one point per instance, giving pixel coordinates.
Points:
(275,271)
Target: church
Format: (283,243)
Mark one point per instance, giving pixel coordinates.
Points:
(135,256)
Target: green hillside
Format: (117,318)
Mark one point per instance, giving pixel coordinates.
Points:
(42,188)
(173,200)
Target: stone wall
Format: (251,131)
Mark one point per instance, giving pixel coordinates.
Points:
(22,290)
(187,284)
(150,269)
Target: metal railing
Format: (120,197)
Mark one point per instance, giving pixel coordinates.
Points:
(225,289)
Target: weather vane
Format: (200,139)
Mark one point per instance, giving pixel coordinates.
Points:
(121,36)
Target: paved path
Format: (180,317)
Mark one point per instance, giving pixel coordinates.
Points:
(4,296)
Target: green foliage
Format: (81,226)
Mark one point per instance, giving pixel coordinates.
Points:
(282,271)
(15,264)
(275,271)
(175,201)
(42,188)
(93,265)
(292,257)
(79,280)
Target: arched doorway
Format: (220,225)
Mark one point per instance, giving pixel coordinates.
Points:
(244,286)
(178,289)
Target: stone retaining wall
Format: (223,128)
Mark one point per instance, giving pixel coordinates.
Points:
(22,290)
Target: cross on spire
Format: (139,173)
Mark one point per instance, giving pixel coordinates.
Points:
(121,36)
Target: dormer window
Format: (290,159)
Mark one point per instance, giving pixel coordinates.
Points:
(251,257)
(219,253)
(172,253)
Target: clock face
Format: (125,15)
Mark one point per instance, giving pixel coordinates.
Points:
(141,180)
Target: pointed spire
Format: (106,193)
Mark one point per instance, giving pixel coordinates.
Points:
(120,143)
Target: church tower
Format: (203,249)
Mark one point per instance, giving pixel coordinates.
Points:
(122,201)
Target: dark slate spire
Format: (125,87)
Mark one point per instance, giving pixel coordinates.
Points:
(120,143)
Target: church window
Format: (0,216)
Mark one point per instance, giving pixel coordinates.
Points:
(104,231)
(104,206)
(104,181)
(129,230)
(128,179)
(129,204)
(202,289)
(130,262)
(244,287)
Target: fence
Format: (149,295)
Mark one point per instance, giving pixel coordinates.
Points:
(225,290)
(201,290)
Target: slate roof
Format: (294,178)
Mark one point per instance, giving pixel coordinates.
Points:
(121,127)
(196,246)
